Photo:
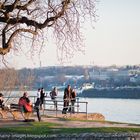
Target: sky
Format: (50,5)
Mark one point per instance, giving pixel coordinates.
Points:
(115,39)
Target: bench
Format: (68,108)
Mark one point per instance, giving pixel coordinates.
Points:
(3,113)
(17,111)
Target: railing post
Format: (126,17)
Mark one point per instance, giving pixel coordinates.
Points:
(86,110)
(56,108)
(70,109)
(44,102)
(34,99)
(77,105)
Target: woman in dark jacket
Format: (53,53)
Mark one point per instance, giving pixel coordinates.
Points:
(67,99)
(42,96)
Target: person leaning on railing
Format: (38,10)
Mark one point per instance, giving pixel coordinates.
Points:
(53,95)
(73,100)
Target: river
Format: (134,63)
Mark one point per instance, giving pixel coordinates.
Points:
(120,110)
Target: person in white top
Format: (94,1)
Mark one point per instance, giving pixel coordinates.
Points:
(38,93)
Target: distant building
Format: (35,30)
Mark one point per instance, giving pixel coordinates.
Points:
(109,73)
(99,75)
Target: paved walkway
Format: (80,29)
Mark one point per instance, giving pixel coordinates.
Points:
(87,124)
(66,123)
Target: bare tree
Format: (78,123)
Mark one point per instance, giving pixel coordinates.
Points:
(8,81)
(12,80)
(25,80)
(34,20)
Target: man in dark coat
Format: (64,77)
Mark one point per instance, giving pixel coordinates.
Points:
(67,98)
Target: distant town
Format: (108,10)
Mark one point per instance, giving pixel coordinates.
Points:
(77,76)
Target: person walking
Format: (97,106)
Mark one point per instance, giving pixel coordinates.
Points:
(37,109)
(38,104)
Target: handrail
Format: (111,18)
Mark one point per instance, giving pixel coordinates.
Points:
(48,102)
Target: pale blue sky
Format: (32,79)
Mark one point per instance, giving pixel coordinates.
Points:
(115,39)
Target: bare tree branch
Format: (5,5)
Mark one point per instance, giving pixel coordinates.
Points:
(62,18)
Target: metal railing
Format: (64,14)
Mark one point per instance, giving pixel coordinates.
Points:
(48,105)
(60,106)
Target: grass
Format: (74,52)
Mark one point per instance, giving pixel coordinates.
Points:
(37,128)
(100,121)
(45,128)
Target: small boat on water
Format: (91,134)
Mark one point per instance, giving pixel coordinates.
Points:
(85,86)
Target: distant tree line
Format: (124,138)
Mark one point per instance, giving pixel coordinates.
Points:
(29,79)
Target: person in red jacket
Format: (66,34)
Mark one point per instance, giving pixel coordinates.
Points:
(25,105)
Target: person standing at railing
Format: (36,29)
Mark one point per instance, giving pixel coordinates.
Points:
(38,100)
(53,95)
(38,93)
(42,97)
(73,100)
(67,99)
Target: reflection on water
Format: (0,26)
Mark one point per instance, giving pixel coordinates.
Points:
(122,110)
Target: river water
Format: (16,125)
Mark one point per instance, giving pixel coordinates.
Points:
(120,110)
